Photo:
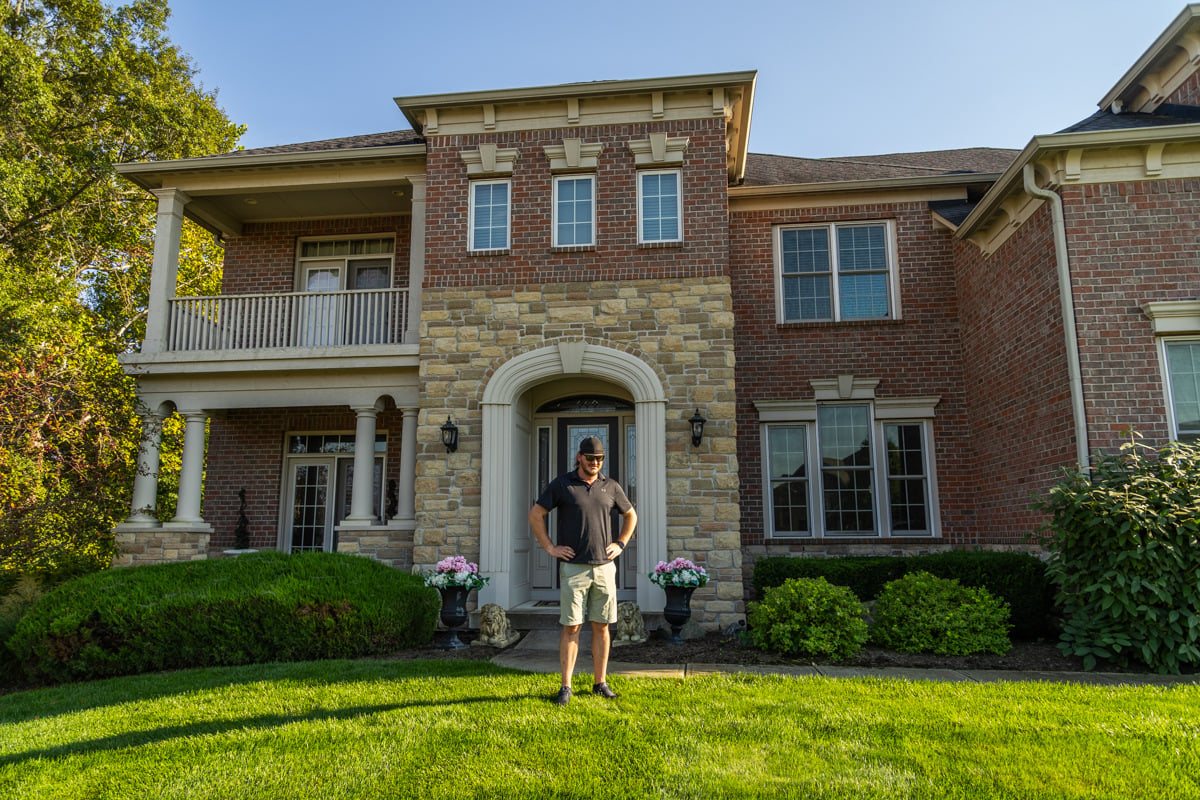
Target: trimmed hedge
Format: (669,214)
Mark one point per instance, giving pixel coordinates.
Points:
(1019,579)
(923,613)
(255,608)
(808,617)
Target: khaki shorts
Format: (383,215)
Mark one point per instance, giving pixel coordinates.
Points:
(588,593)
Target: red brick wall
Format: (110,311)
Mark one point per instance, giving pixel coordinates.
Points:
(916,355)
(263,258)
(1189,93)
(1130,243)
(246,450)
(617,256)
(1015,366)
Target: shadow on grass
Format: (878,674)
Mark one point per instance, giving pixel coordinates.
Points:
(70,698)
(154,736)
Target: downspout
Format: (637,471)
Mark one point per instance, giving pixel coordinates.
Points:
(1058,226)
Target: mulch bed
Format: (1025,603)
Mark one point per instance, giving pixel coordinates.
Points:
(716,648)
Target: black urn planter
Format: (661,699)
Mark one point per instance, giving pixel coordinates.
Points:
(678,610)
(454,613)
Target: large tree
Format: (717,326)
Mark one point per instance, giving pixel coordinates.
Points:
(84,85)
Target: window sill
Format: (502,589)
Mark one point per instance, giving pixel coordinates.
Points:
(501,252)
(827,323)
(573,248)
(852,539)
(660,245)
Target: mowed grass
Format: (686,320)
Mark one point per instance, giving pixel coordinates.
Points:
(379,729)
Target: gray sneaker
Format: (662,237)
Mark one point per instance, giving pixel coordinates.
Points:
(605,692)
(563,697)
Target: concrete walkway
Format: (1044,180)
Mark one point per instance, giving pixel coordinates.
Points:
(538,652)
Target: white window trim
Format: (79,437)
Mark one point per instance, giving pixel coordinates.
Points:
(893,270)
(1165,371)
(303,263)
(471,216)
(554,210)
(884,411)
(678,204)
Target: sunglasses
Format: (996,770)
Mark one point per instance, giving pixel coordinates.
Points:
(594,458)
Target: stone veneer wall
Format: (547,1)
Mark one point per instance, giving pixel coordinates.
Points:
(682,328)
(159,546)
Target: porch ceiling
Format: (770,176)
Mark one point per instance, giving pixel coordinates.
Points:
(228,192)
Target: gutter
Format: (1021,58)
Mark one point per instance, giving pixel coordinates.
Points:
(1075,375)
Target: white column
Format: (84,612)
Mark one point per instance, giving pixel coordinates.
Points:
(145,482)
(165,267)
(416,261)
(191,475)
(651,419)
(406,500)
(364,466)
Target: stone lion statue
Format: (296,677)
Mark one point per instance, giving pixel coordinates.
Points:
(631,628)
(494,629)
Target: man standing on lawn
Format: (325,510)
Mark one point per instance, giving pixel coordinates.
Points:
(585,551)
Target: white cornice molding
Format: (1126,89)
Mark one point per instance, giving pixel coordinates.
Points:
(1173,316)
(844,387)
(489,159)
(659,150)
(573,154)
(1165,66)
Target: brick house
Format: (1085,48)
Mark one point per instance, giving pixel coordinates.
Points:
(891,354)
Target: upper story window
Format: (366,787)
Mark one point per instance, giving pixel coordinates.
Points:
(660,206)
(332,265)
(835,272)
(574,210)
(1182,359)
(489,217)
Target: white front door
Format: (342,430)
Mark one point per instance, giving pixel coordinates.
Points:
(319,489)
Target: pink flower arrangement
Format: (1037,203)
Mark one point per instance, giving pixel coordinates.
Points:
(454,571)
(679,572)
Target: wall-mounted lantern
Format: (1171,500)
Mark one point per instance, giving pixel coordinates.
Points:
(697,422)
(450,435)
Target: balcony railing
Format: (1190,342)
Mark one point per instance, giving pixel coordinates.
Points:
(296,319)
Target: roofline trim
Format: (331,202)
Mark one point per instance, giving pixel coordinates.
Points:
(410,104)
(1131,76)
(861,185)
(290,158)
(1052,142)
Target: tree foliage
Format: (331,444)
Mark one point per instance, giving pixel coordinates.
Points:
(84,85)
(1126,543)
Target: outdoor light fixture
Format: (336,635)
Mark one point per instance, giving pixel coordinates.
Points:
(697,422)
(450,435)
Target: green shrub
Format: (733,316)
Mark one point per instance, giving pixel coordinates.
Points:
(251,609)
(1020,579)
(1126,544)
(808,617)
(924,613)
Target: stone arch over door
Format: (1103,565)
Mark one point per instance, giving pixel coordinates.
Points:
(505,458)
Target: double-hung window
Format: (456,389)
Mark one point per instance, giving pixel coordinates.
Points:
(835,271)
(574,210)
(660,206)
(1182,359)
(842,469)
(489,218)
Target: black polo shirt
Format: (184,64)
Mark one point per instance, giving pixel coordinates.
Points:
(585,514)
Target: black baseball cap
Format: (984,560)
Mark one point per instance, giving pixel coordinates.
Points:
(591,446)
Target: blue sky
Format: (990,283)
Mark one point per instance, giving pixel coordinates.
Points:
(835,78)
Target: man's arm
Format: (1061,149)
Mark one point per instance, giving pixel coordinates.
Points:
(628,523)
(537,524)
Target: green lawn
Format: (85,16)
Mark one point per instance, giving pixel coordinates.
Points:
(376,729)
